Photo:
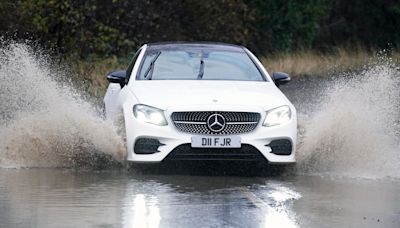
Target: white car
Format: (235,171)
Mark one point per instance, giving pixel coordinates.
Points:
(201,101)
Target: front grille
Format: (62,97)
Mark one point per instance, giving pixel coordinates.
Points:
(196,122)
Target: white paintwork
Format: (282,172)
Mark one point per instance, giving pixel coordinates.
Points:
(198,95)
(203,92)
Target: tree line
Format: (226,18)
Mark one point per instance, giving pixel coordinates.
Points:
(118,27)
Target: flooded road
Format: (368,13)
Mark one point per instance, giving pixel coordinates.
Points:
(65,198)
(62,164)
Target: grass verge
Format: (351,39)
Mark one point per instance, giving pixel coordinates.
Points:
(93,73)
(312,63)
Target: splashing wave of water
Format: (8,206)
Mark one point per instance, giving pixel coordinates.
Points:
(44,123)
(355,132)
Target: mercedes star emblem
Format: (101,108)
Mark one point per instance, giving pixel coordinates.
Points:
(216,122)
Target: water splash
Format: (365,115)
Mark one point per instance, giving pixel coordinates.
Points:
(355,130)
(45,123)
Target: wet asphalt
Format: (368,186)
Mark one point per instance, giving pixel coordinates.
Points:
(121,198)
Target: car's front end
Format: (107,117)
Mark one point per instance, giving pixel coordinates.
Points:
(212,126)
(202,102)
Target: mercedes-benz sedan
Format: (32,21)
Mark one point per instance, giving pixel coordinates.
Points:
(201,101)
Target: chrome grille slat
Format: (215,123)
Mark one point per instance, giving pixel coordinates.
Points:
(196,122)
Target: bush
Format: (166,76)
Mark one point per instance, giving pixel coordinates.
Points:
(118,27)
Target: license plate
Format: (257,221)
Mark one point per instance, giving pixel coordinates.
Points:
(216,142)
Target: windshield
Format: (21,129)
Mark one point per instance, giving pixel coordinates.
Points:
(198,64)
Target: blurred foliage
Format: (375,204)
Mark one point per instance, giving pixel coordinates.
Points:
(370,23)
(118,27)
(288,25)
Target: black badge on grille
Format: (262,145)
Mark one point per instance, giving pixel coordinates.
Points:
(216,122)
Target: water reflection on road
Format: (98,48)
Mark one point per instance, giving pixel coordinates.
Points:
(49,197)
(65,198)
(204,201)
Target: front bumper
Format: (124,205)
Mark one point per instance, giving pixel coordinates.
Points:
(171,140)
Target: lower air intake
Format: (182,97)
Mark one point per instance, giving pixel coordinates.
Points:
(187,153)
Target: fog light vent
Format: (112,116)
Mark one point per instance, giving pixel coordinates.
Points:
(147,146)
(281,147)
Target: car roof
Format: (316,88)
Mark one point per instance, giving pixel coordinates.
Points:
(193,45)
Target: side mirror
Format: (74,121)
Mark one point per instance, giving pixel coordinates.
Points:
(280,78)
(117,76)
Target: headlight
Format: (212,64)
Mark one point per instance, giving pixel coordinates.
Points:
(149,114)
(277,116)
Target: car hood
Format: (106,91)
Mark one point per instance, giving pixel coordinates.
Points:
(166,94)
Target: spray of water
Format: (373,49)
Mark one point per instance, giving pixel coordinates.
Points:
(355,131)
(44,123)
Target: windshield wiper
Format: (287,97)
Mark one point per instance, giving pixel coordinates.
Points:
(151,66)
(201,71)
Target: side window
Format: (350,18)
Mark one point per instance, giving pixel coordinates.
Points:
(131,65)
